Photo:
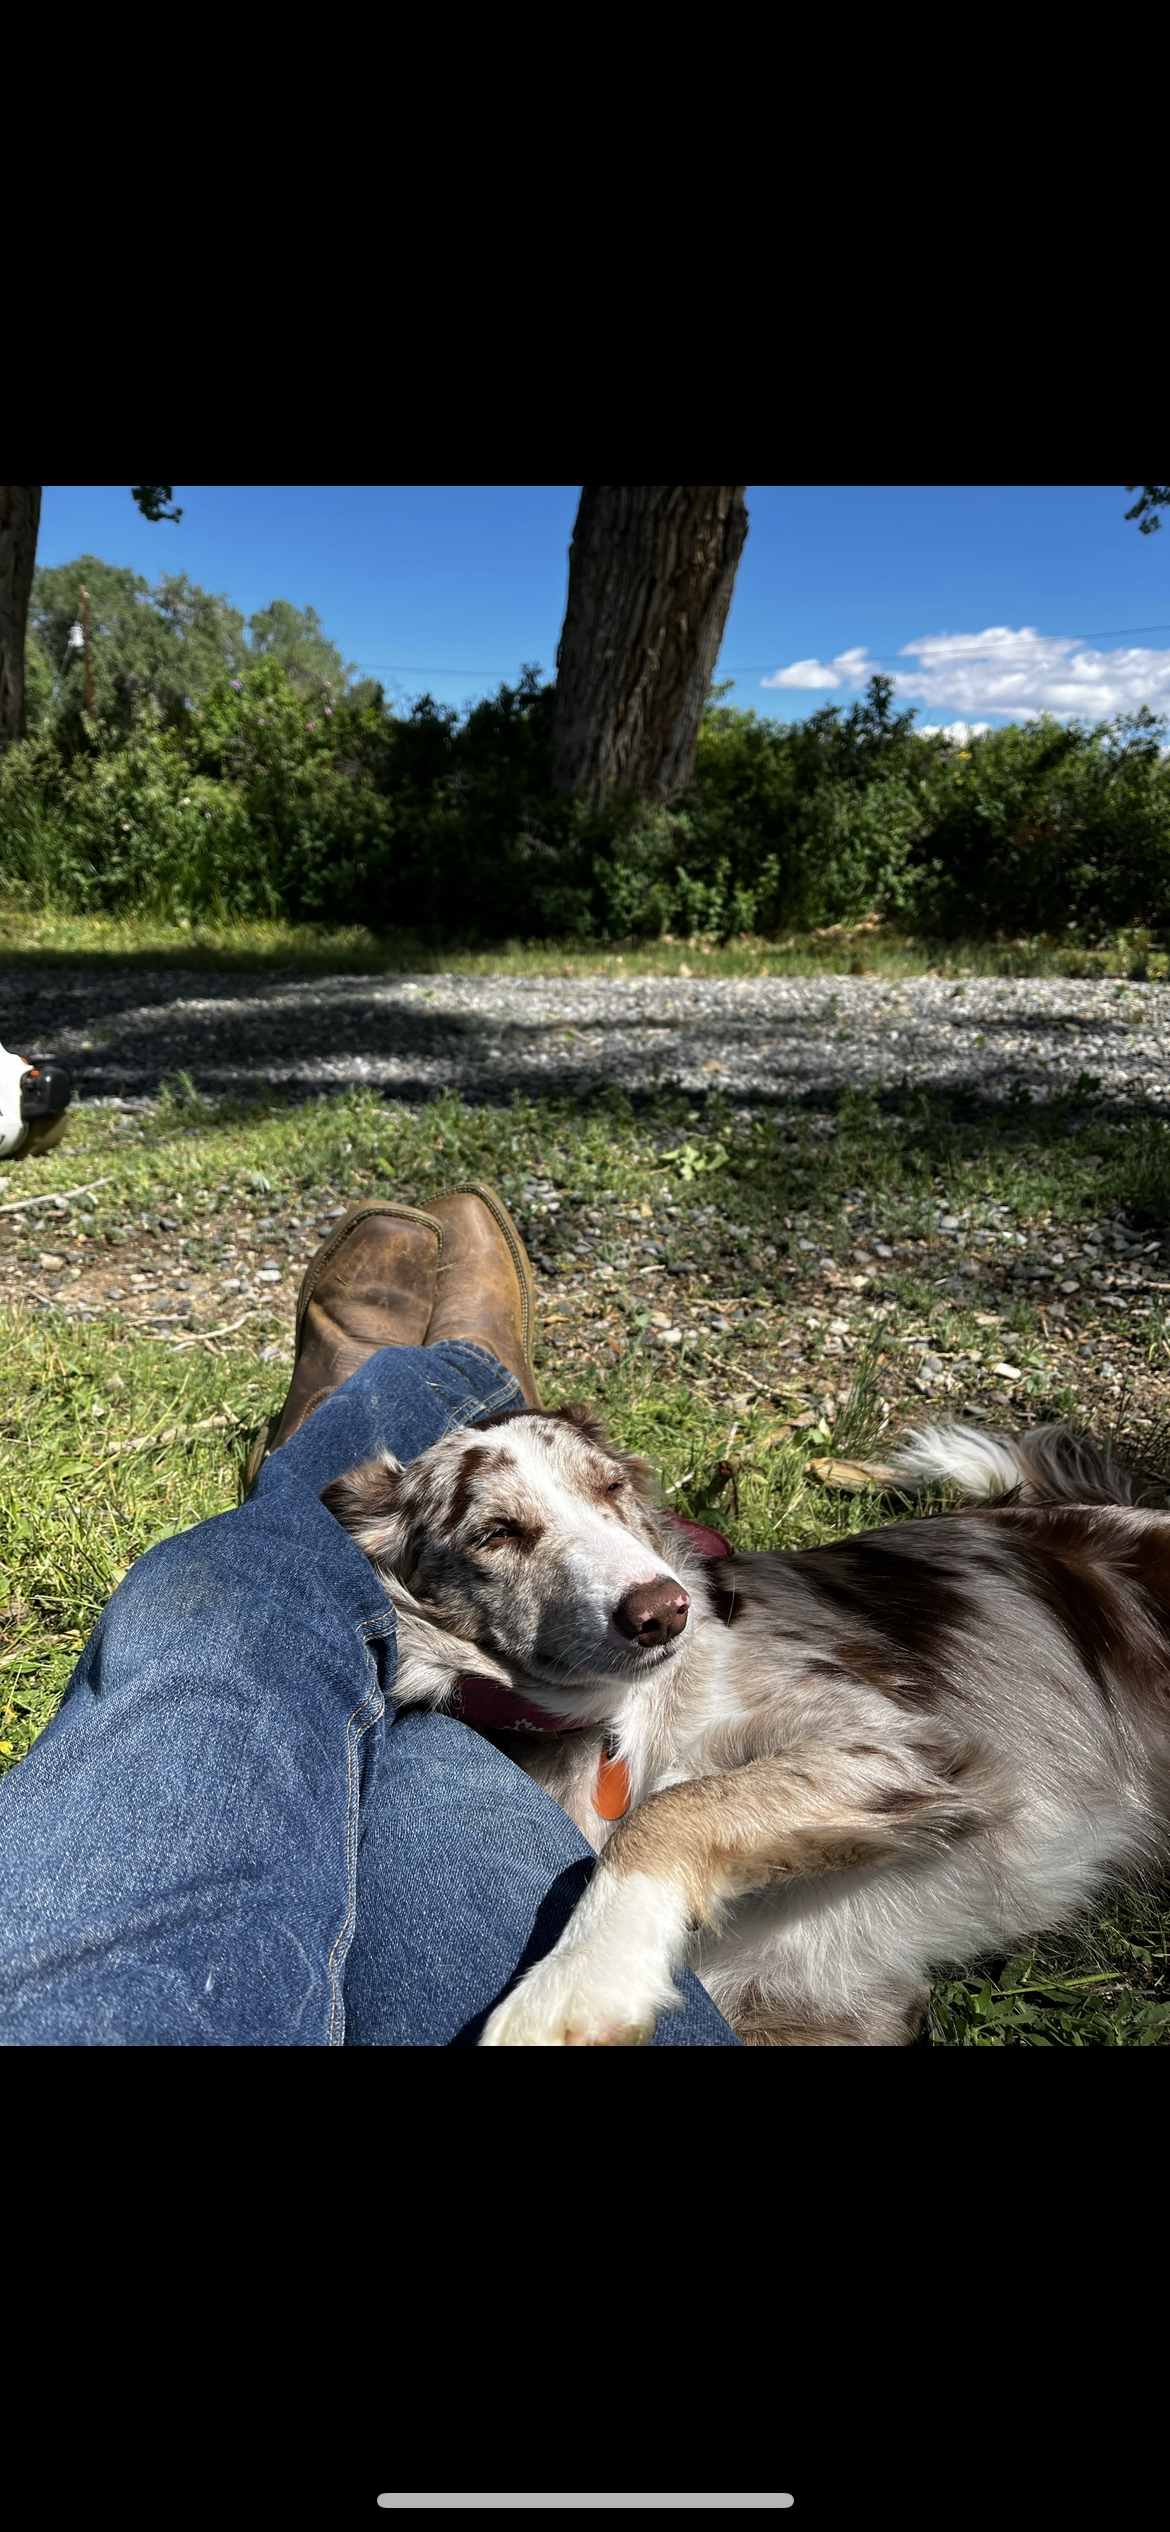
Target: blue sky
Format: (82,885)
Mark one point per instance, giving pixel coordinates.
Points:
(985,602)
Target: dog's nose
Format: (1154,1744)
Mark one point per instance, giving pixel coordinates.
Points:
(652,1612)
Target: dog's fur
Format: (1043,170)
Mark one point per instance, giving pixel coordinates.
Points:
(853,1765)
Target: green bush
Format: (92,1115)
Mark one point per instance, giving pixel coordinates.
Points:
(1032,828)
(816,820)
(268,789)
(148,647)
(164,647)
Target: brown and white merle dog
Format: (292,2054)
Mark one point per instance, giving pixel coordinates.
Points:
(838,1768)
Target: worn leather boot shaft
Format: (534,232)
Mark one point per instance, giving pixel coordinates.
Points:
(371,1284)
(486,1295)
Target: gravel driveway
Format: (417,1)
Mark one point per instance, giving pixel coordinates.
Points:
(785,1040)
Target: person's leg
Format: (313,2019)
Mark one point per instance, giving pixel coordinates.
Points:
(187,1848)
(467,1874)
(402,1400)
(178,1851)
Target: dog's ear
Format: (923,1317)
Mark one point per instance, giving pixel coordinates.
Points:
(643,1478)
(431,1662)
(587,1421)
(366,1501)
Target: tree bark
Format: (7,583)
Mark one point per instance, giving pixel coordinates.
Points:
(20,517)
(651,572)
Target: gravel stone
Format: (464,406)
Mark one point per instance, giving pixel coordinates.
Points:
(780,1041)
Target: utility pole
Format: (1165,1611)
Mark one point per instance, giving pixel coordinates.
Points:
(85,645)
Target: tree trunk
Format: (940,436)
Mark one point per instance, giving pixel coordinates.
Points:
(651,572)
(20,517)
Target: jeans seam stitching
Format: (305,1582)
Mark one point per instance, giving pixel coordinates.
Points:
(373,1698)
(469,1413)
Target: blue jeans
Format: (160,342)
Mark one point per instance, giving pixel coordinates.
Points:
(227,1839)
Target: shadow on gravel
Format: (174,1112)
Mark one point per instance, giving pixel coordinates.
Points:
(123,1028)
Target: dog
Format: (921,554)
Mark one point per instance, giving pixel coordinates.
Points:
(837,1769)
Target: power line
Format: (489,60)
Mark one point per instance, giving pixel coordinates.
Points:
(405,668)
(766,667)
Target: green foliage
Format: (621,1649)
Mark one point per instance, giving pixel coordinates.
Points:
(1101,1986)
(294,639)
(1142,1175)
(1031,828)
(163,646)
(148,647)
(691,1161)
(238,807)
(784,823)
(130,824)
(1153,499)
(152,500)
(1040,829)
(225,777)
(816,819)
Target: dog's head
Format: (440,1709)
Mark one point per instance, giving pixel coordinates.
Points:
(530,1537)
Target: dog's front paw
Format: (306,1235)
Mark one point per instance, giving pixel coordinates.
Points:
(610,1976)
(558,2005)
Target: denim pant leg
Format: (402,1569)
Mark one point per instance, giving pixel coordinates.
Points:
(188,1848)
(178,1851)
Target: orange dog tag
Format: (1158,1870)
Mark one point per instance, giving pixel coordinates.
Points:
(611,1793)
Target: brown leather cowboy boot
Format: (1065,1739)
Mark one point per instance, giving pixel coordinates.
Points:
(486,1295)
(371,1283)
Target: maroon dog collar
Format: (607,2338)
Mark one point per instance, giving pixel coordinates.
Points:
(488,1707)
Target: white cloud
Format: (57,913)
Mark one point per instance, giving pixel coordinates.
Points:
(808,676)
(812,676)
(1027,673)
(959,731)
(1016,674)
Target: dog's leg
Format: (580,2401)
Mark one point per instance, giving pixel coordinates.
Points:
(890,2019)
(678,1860)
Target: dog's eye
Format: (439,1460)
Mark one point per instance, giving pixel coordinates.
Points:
(615,1486)
(499,1530)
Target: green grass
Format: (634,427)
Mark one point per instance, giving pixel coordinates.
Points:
(115,1438)
(28,939)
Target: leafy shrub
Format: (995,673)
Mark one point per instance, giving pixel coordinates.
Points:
(262,791)
(1033,827)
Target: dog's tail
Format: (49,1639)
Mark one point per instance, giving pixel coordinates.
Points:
(1056,1464)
